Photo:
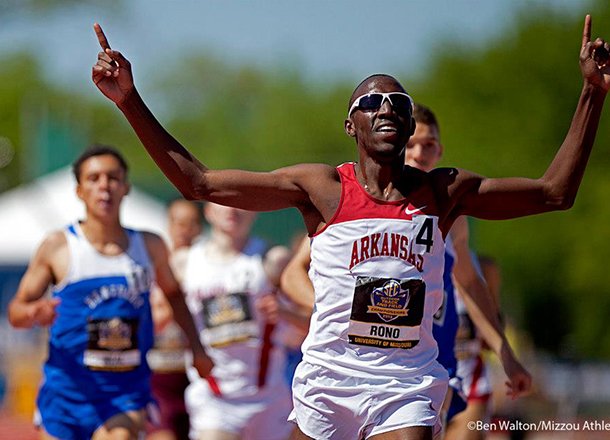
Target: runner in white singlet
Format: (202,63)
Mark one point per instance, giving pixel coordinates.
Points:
(167,359)
(246,397)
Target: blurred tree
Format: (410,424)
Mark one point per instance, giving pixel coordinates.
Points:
(245,117)
(504,110)
(12,8)
(19,76)
(43,128)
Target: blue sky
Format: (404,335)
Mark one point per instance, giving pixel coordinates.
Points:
(324,39)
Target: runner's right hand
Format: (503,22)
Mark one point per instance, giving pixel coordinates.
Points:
(112,71)
(43,311)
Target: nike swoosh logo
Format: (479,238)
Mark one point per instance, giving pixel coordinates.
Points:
(413,211)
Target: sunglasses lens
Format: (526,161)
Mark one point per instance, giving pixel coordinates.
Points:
(401,103)
(370,102)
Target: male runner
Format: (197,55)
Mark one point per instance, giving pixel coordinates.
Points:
(167,358)
(96,379)
(231,298)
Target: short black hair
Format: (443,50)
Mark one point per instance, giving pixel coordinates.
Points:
(424,115)
(97,150)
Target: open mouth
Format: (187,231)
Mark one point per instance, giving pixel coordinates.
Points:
(387,128)
(105,203)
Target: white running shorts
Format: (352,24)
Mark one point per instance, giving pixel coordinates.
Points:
(476,384)
(329,405)
(260,416)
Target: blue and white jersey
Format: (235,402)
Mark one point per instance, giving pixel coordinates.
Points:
(446,318)
(98,343)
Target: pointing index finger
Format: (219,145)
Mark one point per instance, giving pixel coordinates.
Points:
(586,32)
(101,37)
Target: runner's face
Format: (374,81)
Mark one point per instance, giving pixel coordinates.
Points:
(232,221)
(184,224)
(424,149)
(381,132)
(103,184)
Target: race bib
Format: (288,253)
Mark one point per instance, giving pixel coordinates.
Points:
(166,360)
(228,319)
(386,312)
(467,344)
(112,345)
(168,355)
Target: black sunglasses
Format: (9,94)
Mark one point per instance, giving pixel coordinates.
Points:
(402,103)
